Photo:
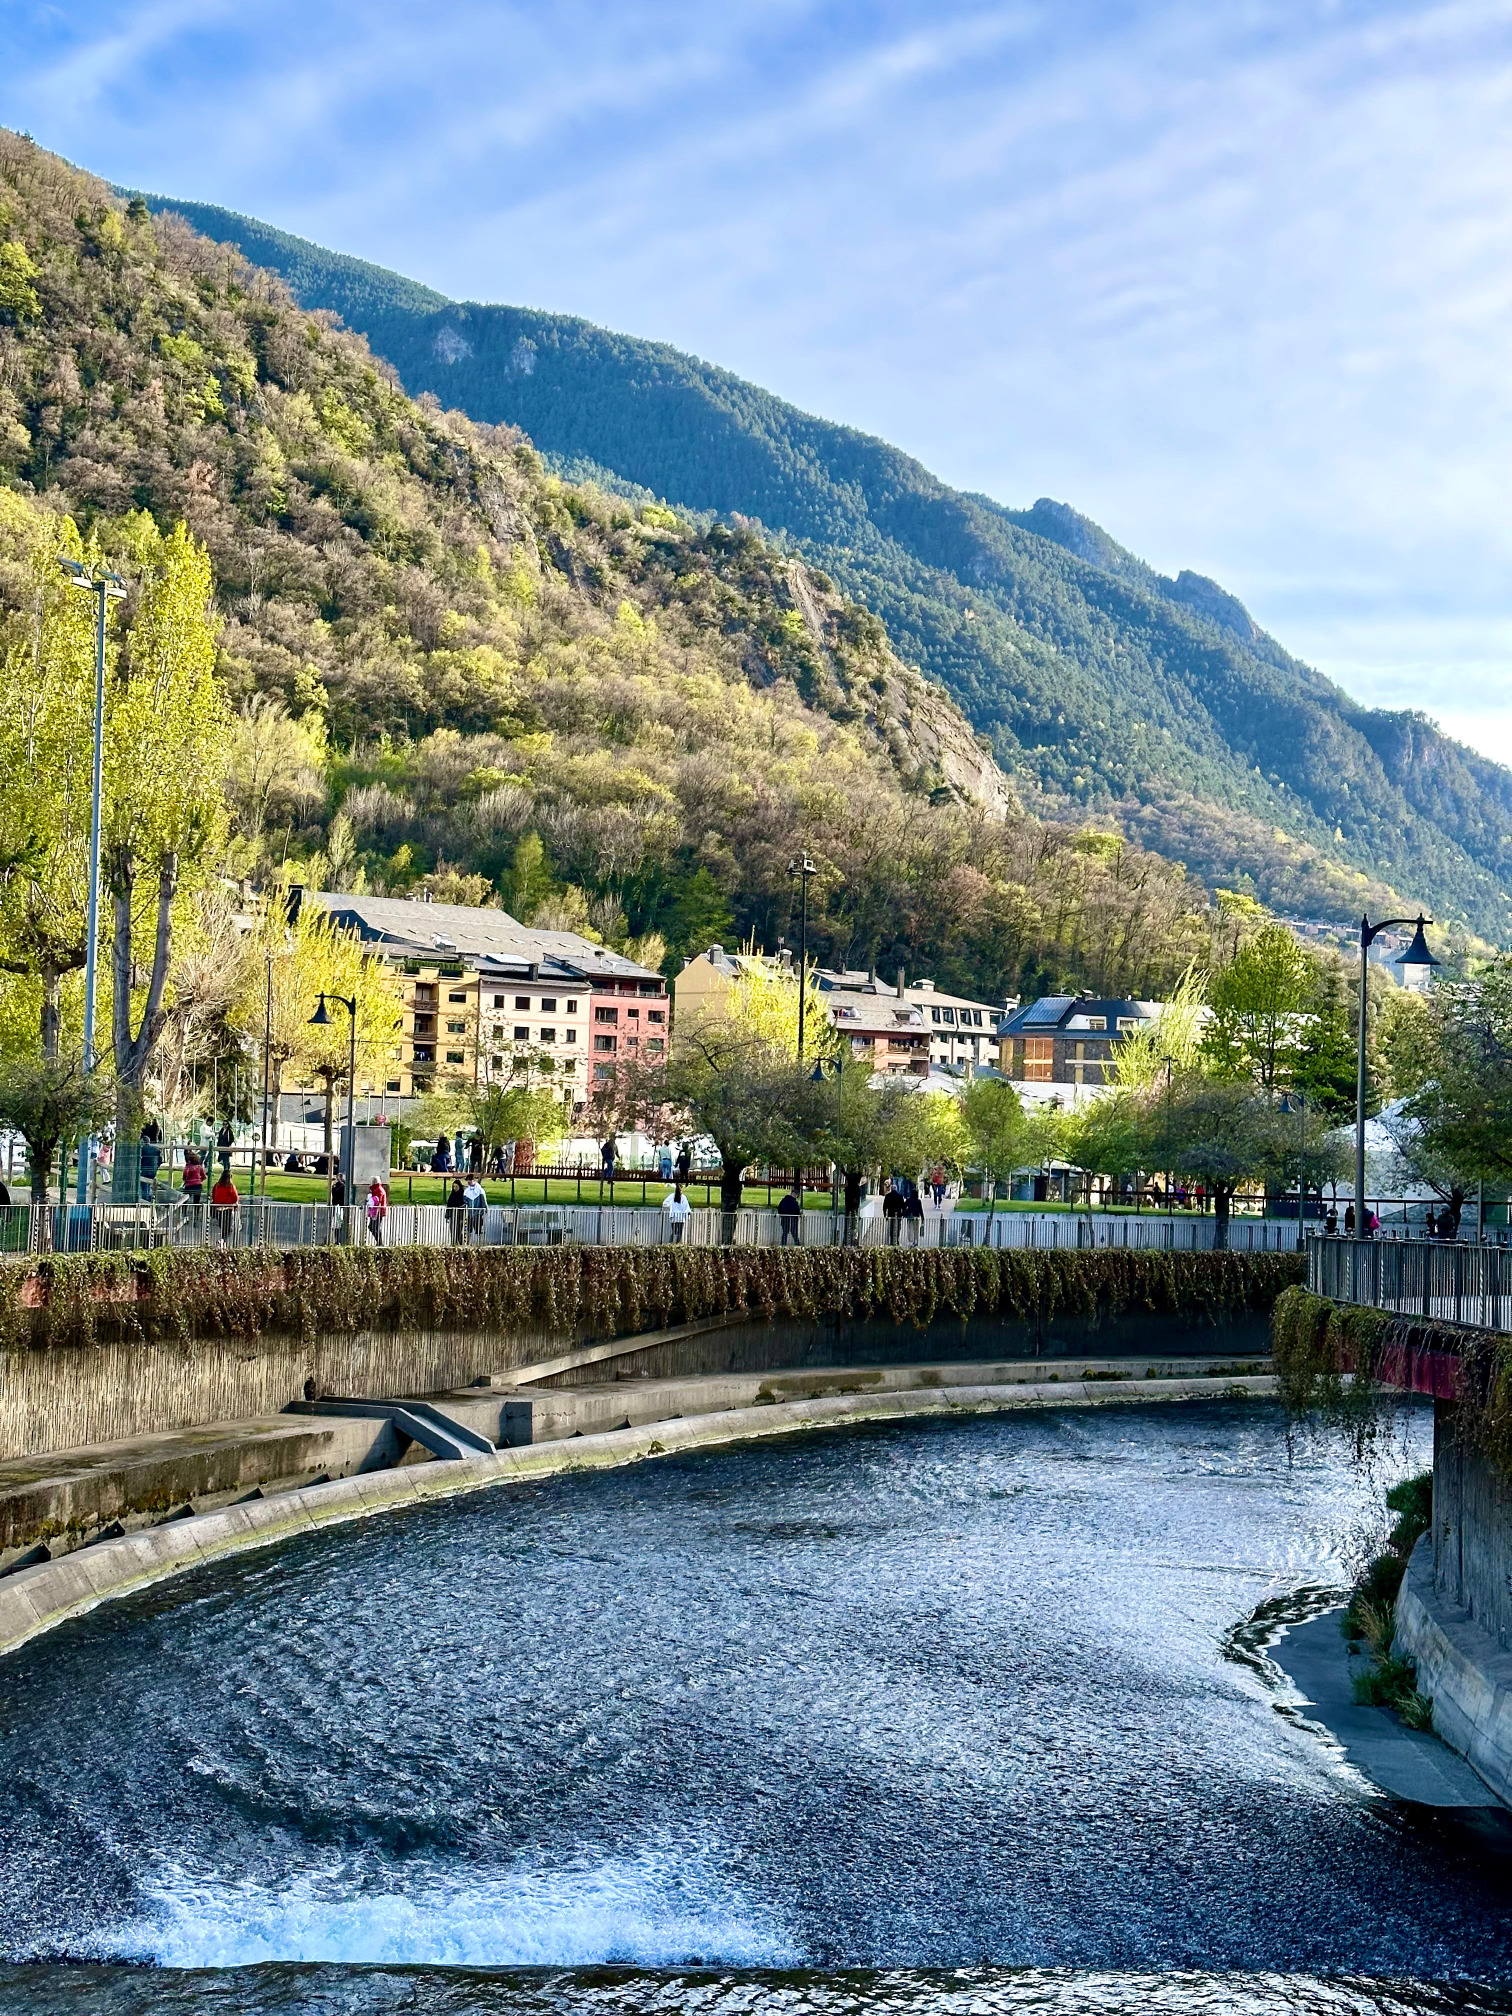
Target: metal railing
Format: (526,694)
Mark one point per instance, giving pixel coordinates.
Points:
(1443,1280)
(180,1223)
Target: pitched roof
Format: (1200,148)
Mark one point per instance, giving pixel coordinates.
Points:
(458,930)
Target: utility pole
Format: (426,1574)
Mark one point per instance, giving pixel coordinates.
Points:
(105,587)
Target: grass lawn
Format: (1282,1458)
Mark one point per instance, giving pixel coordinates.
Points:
(626,1190)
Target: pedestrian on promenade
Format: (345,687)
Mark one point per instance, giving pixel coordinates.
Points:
(892,1211)
(456,1211)
(194,1178)
(913,1211)
(475,1197)
(224,1199)
(790,1211)
(377,1210)
(937,1185)
(678,1211)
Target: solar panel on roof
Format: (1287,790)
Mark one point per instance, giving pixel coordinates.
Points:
(1050,1010)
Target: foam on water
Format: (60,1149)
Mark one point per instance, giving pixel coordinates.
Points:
(656,1908)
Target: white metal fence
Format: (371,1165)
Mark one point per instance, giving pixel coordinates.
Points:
(73,1228)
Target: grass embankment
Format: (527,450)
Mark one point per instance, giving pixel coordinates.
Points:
(603,1291)
(1370,1619)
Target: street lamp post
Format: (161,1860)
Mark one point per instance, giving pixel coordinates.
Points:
(105,587)
(320,1019)
(822,1070)
(1416,959)
(803,868)
(1299,1099)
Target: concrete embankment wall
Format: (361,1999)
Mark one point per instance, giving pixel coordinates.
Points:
(1454,1614)
(66,1397)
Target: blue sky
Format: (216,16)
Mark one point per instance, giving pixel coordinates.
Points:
(1233,279)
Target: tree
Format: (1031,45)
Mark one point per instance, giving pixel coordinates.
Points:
(1454,1128)
(50,1100)
(326,960)
(857,1124)
(1257,1001)
(997,1131)
(753,1102)
(1219,1132)
(166,749)
(512,1110)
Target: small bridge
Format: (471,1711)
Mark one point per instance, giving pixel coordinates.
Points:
(1443,1281)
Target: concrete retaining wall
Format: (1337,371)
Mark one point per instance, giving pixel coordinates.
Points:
(1472,1525)
(1463,1667)
(68,1398)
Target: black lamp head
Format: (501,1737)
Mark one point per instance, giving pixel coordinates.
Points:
(320,1018)
(1417,953)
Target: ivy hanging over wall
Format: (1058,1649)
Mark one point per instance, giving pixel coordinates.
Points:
(1333,1362)
(600,1292)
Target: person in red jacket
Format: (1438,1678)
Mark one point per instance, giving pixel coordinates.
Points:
(224,1199)
(377,1210)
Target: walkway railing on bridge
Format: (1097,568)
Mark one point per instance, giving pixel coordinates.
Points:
(1445,1280)
(75,1228)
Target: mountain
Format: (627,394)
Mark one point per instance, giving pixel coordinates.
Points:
(1103,687)
(455,672)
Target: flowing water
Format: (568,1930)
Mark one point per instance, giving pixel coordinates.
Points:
(937,1716)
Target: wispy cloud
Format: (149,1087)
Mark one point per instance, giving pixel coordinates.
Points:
(1235,280)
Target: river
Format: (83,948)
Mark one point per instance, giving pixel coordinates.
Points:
(717,1732)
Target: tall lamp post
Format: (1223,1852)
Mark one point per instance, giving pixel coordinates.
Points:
(803,868)
(320,1020)
(1416,963)
(105,587)
(832,1067)
(1296,1102)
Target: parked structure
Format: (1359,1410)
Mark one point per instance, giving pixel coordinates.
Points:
(486,997)
(1068,1039)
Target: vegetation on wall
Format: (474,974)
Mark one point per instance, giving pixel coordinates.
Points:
(174,1297)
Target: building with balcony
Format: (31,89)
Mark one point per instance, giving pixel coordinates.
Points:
(486,997)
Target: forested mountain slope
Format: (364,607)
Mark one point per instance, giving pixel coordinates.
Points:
(1100,683)
(453,671)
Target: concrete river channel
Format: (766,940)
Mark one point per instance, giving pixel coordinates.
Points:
(956,1715)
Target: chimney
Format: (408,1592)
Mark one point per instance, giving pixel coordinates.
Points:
(716,953)
(900,983)
(871,978)
(293,904)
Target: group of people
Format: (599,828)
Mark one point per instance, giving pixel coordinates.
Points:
(901,1205)
(471,1157)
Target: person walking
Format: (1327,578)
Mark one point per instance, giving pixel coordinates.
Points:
(1349,1221)
(193,1181)
(377,1210)
(475,1197)
(683,1166)
(456,1211)
(1431,1224)
(937,1185)
(892,1211)
(790,1211)
(607,1155)
(913,1211)
(224,1199)
(678,1211)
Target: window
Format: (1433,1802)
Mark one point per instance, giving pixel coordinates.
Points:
(606,1014)
(603,1042)
(454,1056)
(633,1013)
(498,1033)
(569,1035)
(424,1054)
(656,1014)
(570,1065)
(1039,1058)
(496,1063)
(572,1007)
(934,1014)
(460,998)
(392,1085)
(548,1004)
(522,1033)
(1126,1022)
(1097,1021)
(949,1014)
(456,1028)
(522,1002)
(655,1045)
(603,1070)
(548,1035)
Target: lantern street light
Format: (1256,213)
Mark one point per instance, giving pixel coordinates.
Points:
(105,587)
(1416,964)
(320,1020)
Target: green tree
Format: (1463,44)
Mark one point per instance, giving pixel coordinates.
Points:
(1257,1002)
(1455,1124)
(167,742)
(50,1100)
(1222,1133)
(997,1133)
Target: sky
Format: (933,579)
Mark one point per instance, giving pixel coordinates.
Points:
(1234,280)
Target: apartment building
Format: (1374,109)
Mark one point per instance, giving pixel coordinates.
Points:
(914,1028)
(1068,1039)
(486,997)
